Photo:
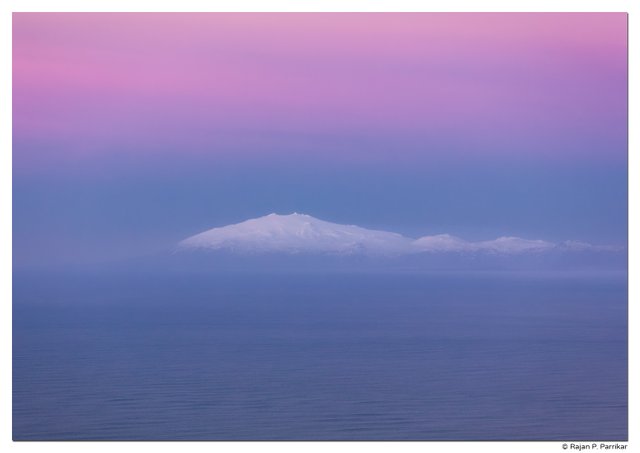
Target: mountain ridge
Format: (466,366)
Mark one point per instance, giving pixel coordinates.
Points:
(301,233)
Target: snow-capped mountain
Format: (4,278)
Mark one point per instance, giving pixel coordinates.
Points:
(302,234)
(505,245)
(297,233)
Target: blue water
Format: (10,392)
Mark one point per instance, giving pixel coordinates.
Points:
(397,357)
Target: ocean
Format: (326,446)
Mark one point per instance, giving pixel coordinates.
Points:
(319,356)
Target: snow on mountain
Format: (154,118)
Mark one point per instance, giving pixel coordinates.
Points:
(297,233)
(504,245)
(300,233)
(514,245)
(577,246)
(442,243)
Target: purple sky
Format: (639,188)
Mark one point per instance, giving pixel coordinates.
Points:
(473,123)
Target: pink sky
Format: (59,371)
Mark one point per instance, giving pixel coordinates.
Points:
(86,83)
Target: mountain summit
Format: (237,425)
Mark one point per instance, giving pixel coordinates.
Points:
(297,233)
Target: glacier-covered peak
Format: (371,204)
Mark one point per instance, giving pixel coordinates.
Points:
(302,233)
(297,233)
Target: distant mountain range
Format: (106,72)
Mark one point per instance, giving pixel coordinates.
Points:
(297,234)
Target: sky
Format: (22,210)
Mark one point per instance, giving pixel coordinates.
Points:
(132,131)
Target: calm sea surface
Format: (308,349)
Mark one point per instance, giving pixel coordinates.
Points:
(351,356)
